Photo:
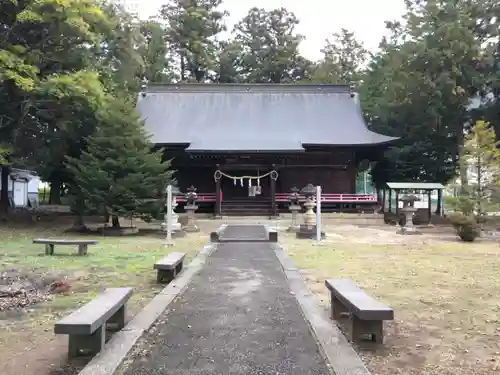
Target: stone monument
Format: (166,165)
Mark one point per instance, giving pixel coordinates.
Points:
(191,207)
(308,229)
(408,210)
(294,209)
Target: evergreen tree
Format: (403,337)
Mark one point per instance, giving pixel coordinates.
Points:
(192,27)
(269,47)
(154,50)
(418,87)
(343,59)
(118,172)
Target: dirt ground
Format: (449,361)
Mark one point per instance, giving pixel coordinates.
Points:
(444,294)
(37,290)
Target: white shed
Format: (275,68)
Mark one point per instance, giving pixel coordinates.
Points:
(23,188)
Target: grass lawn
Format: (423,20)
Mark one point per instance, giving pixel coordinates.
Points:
(445,295)
(27,342)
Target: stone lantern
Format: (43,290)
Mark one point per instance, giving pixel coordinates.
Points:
(309,216)
(191,207)
(308,229)
(408,210)
(294,209)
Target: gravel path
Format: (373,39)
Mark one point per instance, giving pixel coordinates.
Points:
(236,317)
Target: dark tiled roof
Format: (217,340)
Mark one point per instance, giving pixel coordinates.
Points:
(254,117)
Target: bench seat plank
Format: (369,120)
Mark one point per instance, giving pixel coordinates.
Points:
(62,241)
(94,314)
(170,262)
(362,305)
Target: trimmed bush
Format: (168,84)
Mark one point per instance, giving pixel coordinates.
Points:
(466,226)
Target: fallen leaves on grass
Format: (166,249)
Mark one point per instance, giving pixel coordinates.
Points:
(18,291)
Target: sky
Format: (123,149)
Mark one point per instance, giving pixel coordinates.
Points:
(319,19)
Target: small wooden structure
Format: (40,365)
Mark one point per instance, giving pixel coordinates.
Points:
(427,187)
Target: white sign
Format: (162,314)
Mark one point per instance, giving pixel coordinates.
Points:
(169,215)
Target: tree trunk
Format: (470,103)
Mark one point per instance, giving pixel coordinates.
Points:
(78,209)
(55,192)
(183,68)
(4,193)
(115,221)
(79,224)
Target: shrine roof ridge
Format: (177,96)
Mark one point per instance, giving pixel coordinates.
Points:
(247,87)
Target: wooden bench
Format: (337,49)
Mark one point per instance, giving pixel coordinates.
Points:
(365,314)
(169,266)
(87,326)
(50,243)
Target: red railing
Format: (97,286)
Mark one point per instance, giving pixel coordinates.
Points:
(202,198)
(284,198)
(333,198)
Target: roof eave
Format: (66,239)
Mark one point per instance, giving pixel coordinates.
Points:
(371,144)
(271,151)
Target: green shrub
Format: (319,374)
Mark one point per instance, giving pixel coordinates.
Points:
(392,218)
(466,226)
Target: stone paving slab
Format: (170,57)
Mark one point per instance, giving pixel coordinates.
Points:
(244,233)
(237,316)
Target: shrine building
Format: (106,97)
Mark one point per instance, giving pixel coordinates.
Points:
(245,146)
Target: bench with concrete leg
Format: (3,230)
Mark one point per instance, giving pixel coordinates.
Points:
(363,314)
(169,266)
(272,235)
(51,242)
(87,326)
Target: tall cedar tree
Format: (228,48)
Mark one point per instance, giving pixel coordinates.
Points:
(119,172)
(192,28)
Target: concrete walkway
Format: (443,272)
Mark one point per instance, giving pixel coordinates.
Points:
(237,316)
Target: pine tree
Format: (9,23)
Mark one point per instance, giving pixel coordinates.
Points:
(118,172)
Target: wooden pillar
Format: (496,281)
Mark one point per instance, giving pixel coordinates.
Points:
(429,208)
(439,208)
(274,177)
(397,202)
(390,200)
(218,203)
(383,200)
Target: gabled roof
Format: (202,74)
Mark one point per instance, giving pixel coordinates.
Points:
(254,117)
(415,185)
